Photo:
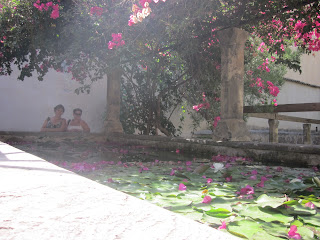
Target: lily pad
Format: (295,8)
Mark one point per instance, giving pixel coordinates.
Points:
(265,200)
(265,214)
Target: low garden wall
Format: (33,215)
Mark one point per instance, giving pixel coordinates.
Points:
(296,155)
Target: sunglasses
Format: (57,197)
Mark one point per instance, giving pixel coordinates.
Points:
(78,114)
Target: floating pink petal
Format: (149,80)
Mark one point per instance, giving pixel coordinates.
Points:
(223,225)
(247,190)
(182,187)
(209,180)
(229,179)
(207,199)
(253,177)
(293,233)
(310,205)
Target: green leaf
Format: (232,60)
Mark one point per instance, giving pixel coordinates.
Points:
(244,228)
(298,210)
(306,233)
(265,214)
(265,200)
(218,212)
(313,220)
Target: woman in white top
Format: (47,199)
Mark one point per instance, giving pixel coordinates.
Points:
(77,124)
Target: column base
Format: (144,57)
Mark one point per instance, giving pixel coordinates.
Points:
(231,130)
(113,126)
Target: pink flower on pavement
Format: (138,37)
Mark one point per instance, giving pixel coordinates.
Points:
(207,199)
(310,205)
(182,187)
(254,172)
(209,180)
(293,233)
(223,225)
(178,151)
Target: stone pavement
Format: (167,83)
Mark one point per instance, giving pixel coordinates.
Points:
(39,200)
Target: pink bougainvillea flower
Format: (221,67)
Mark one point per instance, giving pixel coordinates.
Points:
(228,165)
(223,225)
(229,179)
(293,233)
(188,163)
(96,10)
(253,177)
(247,190)
(279,169)
(310,189)
(310,205)
(204,176)
(178,151)
(172,172)
(182,187)
(215,121)
(207,199)
(209,180)
(185,180)
(315,168)
(110,180)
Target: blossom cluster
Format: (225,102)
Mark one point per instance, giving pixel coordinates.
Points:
(42,6)
(96,11)
(141,13)
(205,104)
(273,90)
(116,41)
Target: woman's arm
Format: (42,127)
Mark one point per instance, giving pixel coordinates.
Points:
(84,126)
(44,125)
(60,129)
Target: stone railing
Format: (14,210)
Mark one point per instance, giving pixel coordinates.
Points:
(271,113)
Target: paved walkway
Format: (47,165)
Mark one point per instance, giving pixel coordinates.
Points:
(39,200)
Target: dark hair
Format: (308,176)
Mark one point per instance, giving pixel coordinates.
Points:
(60,106)
(77,109)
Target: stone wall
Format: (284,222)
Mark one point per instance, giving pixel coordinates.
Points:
(24,105)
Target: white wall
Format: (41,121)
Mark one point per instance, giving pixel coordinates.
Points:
(24,105)
(290,93)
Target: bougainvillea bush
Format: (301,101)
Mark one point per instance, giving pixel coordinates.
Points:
(230,193)
(170,45)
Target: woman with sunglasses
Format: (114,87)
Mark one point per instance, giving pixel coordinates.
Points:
(77,124)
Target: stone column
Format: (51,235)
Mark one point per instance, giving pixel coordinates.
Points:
(307,133)
(273,130)
(112,123)
(232,127)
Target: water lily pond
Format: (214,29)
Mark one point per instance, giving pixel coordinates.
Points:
(233,194)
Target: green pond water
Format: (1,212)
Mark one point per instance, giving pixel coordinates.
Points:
(235,194)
